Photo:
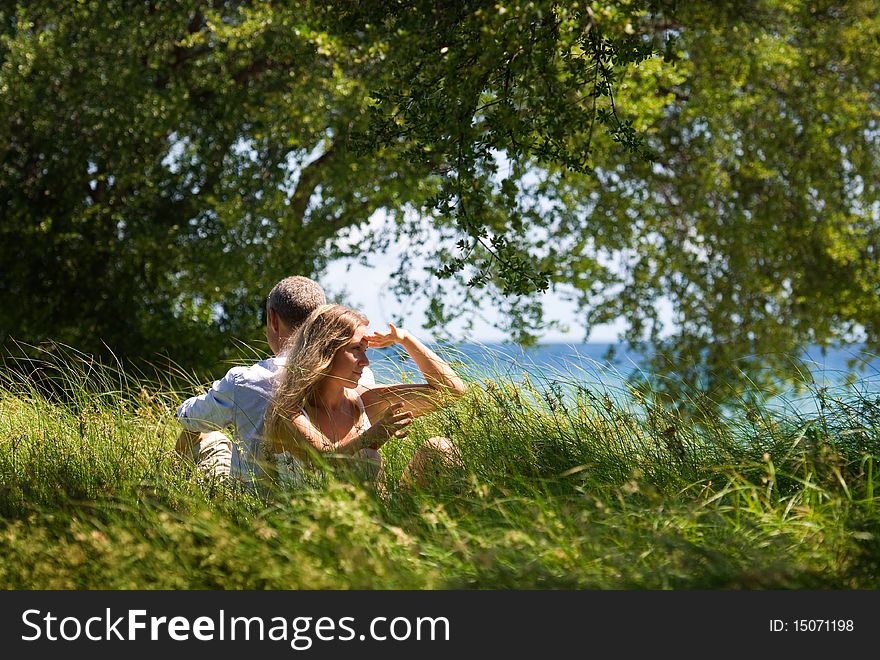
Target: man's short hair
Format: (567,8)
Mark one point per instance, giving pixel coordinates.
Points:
(294,298)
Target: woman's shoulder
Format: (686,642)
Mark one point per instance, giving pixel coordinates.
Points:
(356,397)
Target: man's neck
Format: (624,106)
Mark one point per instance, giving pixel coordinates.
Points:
(278,349)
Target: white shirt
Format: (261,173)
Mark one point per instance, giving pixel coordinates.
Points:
(239,400)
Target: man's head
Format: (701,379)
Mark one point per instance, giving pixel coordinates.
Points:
(289,304)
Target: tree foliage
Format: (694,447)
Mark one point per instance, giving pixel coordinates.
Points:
(759,219)
(164,163)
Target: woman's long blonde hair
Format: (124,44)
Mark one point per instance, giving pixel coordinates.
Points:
(310,351)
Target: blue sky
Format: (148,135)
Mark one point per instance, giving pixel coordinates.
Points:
(366,288)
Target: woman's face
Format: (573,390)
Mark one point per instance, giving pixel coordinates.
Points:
(349,362)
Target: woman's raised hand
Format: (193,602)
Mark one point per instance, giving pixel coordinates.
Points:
(394,423)
(381,339)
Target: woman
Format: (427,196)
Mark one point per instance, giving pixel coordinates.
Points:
(320,411)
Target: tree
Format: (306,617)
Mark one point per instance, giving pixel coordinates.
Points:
(164,163)
(735,180)
(759,219)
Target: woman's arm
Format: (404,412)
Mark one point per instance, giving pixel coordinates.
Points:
(436,371)
(417,399)
(300,436)
(420,399)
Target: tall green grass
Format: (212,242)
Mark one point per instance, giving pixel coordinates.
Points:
(565,486)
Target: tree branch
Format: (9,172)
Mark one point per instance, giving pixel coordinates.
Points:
(309,178)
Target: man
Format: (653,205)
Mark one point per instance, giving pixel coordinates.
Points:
(239,399)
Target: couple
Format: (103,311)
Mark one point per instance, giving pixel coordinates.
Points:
(316,399)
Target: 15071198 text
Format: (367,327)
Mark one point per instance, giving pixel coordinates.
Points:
(812,625)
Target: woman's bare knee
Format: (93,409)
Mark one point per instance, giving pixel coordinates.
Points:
(431,460)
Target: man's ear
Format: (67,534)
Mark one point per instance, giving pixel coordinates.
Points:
(272,319)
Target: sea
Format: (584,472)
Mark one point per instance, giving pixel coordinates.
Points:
(609,368)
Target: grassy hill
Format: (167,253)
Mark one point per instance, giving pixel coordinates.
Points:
(564,488)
